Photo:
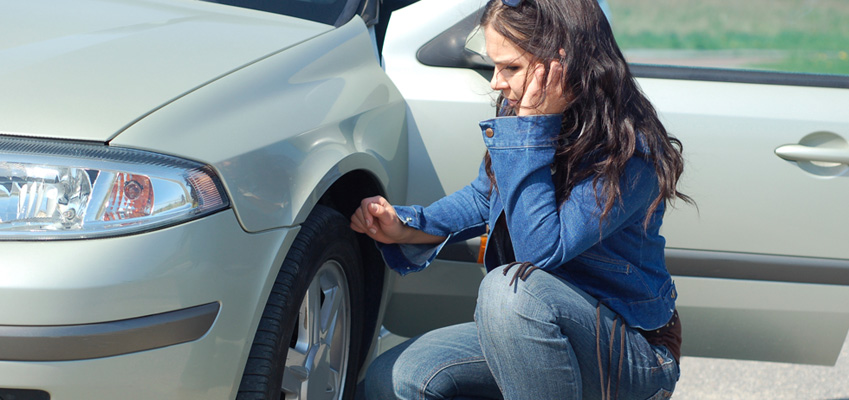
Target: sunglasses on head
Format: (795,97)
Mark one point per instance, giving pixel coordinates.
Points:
(511,3)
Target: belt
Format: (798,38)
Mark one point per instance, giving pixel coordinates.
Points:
(668,335)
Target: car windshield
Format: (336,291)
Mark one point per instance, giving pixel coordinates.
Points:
(324,11)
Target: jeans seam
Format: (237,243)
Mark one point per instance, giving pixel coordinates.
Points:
(444,366)
(497,383)
(557,315)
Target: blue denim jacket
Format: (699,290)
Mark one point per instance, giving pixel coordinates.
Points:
(620,262)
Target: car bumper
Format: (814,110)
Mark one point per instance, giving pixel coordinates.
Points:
(161,315)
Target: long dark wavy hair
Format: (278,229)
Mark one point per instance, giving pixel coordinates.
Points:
(606,112)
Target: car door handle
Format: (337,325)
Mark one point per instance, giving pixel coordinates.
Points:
(798,152)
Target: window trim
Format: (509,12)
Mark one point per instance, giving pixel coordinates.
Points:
(739,76)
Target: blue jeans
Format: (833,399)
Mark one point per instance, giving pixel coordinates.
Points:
(541,338)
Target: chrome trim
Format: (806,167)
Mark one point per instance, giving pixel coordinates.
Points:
(23,394)
(105,339)
(758,267)
(721,264)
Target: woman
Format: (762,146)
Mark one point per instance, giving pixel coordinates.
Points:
(577,302)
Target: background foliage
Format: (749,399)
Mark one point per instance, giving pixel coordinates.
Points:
(783,35)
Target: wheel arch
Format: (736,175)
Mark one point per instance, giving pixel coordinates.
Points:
(344,194)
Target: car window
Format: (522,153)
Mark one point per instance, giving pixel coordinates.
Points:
(797,36)
(331,12)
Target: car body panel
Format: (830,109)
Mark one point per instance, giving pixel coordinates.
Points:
(763,320)
(442,294)
(753,204)
(722,318)
(98,290)
(776,219)
(206,260)
(445,104)
(56,68)
(730,133)
(281,131)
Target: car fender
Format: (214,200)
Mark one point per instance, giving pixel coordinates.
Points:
(282,129)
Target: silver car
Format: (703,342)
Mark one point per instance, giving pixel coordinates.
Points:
(176,178)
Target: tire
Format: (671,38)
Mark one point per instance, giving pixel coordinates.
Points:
(309,339)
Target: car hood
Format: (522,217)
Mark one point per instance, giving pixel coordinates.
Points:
(87,69)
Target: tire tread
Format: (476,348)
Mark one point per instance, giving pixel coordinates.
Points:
(265,360)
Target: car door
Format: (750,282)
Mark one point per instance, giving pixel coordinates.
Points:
(761,262)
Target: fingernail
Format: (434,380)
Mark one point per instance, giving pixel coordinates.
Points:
(373,231)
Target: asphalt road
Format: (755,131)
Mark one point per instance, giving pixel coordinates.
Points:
(710,378)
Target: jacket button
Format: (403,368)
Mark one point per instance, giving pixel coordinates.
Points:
(490,132)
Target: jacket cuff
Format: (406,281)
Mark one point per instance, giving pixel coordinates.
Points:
(406,258)
(525,131)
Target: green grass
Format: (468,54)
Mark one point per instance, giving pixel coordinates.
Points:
(803,35)
(810,61)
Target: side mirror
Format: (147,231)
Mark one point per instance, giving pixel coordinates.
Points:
(461,46)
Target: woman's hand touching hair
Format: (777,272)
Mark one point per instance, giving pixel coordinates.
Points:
(547,98)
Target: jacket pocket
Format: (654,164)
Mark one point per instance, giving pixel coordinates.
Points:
(611,277)
(604,263)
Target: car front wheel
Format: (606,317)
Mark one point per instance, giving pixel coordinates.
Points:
(309,339)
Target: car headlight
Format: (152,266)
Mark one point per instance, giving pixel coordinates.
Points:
(67,190)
